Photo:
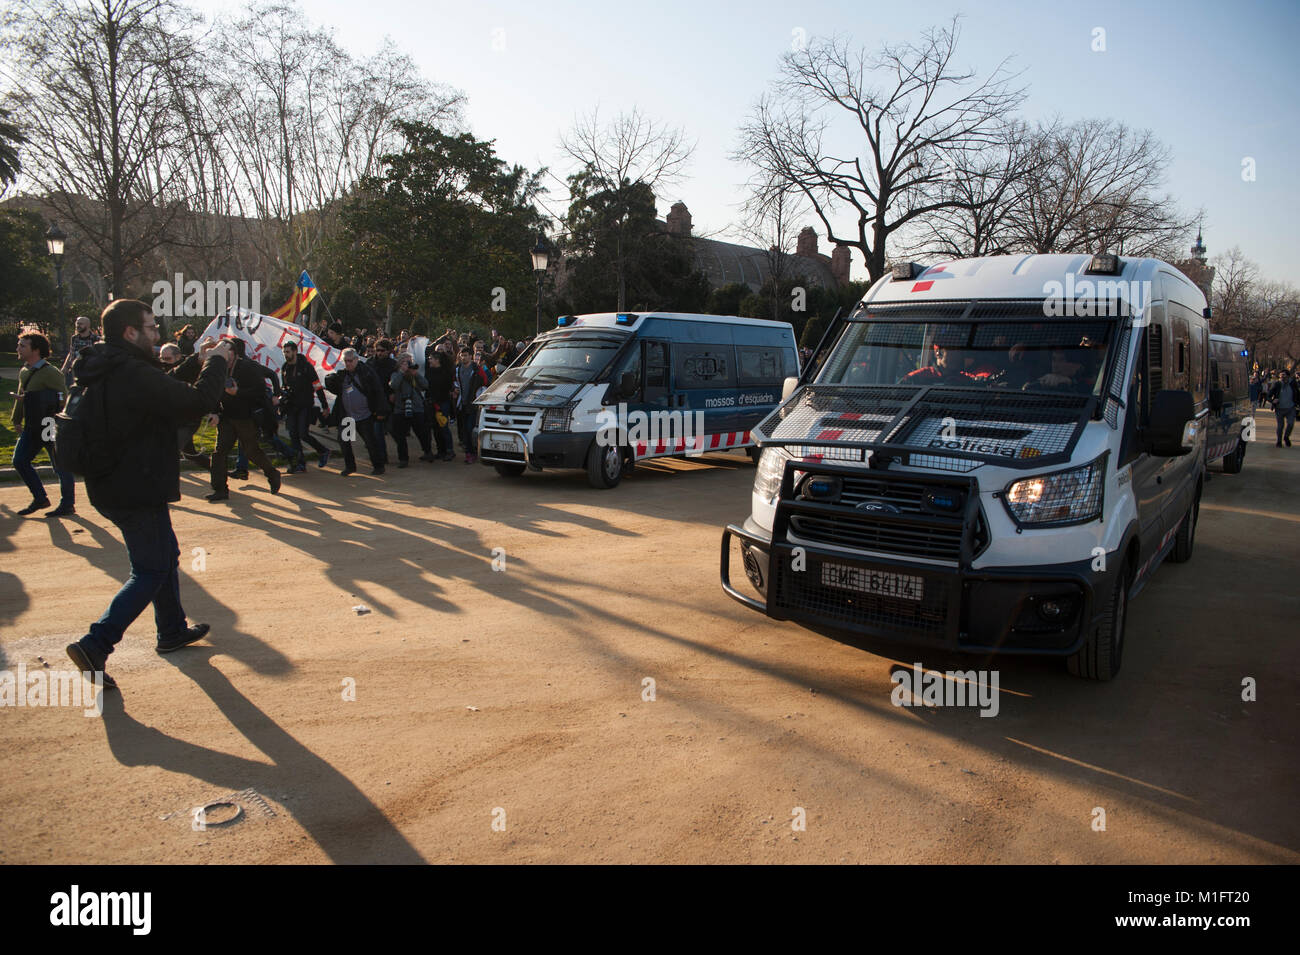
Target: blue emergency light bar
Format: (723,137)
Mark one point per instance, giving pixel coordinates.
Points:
(564,320)
(625,318)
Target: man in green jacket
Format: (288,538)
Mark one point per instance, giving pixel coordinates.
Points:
(39,399)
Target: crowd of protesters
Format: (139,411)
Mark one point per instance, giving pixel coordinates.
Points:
(381,392)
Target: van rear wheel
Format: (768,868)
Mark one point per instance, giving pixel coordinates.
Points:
(1099,658)
(1233,462)
(604,465)
(1186,538)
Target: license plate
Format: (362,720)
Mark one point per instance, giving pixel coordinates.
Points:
(904,586)
(493,443)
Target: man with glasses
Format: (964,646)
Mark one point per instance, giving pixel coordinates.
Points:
(136,472)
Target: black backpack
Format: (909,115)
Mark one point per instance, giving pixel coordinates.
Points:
(81,439)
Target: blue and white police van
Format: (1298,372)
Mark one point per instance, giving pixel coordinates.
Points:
(995,456)
(604,391)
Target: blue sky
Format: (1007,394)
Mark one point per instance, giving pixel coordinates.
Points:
(1216,82)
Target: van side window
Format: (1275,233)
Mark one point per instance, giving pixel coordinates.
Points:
(656,365)
(705,366)
(1155,363)
(760,366)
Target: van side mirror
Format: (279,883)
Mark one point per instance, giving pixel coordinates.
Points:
(788,387)
(627,384)
(1216,400)
(1170,413)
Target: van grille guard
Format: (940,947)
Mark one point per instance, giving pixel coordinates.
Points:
(943,427)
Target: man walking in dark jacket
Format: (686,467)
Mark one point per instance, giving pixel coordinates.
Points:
(360,401)
(139,473)
(301,388)
(245,391)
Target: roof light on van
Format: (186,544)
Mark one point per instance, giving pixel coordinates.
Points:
(905,271)
(1105,264)
(625,318)
(564,320)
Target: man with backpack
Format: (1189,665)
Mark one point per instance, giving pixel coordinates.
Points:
(40,396)
(122,437)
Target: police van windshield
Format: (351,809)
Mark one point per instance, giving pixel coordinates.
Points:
(576,359)
(1057,355)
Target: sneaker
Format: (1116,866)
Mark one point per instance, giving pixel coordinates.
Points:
(299,469)
(447,456)
(378,470)
(42,504)
(273,476)
(217,496)
(63,510)
(242,475)
(346,471)
(183,639)
(324,458)
(428,457)
(1288,442)
(81,657)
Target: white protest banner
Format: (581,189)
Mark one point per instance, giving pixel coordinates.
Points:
(264,338)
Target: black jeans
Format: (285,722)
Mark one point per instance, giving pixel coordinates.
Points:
(244,431)
(299,420)
(152,548)
(365,430)
(402,426)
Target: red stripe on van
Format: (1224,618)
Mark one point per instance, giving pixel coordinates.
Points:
(829,435)
(922,286)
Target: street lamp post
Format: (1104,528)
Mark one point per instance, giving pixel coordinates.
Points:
(54,240)
(541,254)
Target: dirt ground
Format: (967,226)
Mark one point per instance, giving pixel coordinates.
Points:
(503,716)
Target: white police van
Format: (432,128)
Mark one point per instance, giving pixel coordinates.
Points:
(1230,410)
(604,391)
(995,455)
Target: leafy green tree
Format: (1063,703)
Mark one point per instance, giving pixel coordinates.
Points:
(11,138)
(27,293)
(444,230)
(617,250)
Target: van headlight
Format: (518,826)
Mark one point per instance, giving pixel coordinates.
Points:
(771,468)
(1066,497)
(557,419)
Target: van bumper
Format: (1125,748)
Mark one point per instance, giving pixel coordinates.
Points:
(546,450)
(1003,610)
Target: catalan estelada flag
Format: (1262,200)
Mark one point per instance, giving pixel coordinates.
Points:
(297,304)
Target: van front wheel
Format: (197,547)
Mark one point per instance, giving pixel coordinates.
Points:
(1099,658)
(604,465)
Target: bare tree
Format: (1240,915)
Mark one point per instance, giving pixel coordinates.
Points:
(912,107)
(11,138)
(612,160)
(986,186)
(1266,315)
(305,121)
(769,220)
(105,120)
(1092,186)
